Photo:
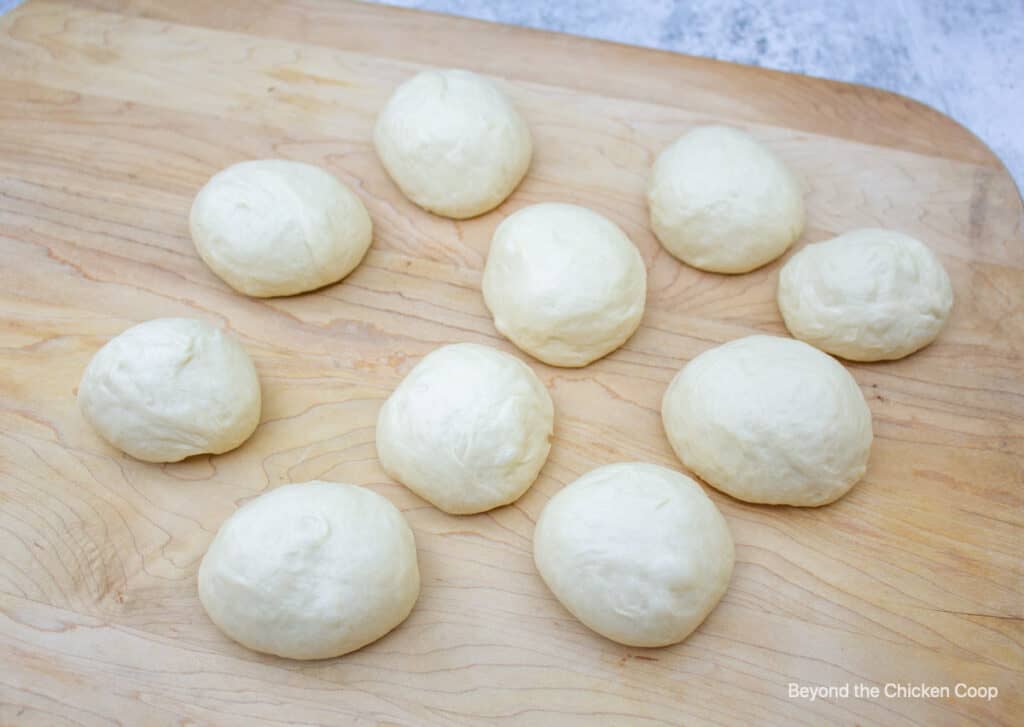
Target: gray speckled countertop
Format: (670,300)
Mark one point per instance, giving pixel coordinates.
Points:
(964,57)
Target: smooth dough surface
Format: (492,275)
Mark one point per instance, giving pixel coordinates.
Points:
(720,201)
(868,295)
(769,420)
(564,283)
(453,143)
(276,227)
(170,388)
(635,551)
(311,571)
(468,429)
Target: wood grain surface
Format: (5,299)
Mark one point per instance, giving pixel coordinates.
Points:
(113,114)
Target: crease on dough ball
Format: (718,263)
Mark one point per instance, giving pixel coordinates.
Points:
(453,143)
(637,552)
(769,420)
(275,227)
(468,429)
(310,571)
(867,295)
(564,284)
(722,202)
(171,388)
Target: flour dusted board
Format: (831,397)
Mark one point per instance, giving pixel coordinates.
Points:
(111,117)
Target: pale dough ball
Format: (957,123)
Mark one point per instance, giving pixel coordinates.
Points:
(636,552)
(769,420)
(453,143)
(311,571)
(722,202)
(564,284)
(868,295)
(468,429)
(276,227)
(170,388)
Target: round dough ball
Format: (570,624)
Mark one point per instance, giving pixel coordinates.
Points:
(868,295)
(636,552)
(769,420)
(453,143)
(276,227)
(170,388)
(468,429)
(311,571)
(720,201)
(564,284)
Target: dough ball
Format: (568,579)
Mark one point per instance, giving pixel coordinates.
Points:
(453,143)
(276,227)
(564,284)
(769,420)
(720,201)
(636,552)
(868,295)
(310,571)
(468,429)
(170,388)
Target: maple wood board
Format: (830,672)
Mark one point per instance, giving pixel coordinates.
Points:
(112,115)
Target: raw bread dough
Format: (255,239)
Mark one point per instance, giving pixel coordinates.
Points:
(636,552)
(564,284)
(276,227)
(453,143)
(311,571)
(468,429)
(170,388)
(720,201)
(868,295)
(769,420)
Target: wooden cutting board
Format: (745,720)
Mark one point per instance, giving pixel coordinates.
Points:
(111,117)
